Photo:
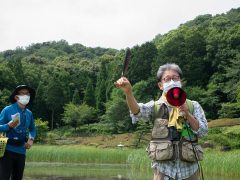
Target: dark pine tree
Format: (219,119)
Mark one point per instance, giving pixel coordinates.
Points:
(76,98)
(18,71)
(89,94)
(101,88)
(40,108)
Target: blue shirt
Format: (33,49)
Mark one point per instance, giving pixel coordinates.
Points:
(26,122)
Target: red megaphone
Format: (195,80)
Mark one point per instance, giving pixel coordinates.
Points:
(176,96)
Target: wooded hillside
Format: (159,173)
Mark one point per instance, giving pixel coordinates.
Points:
(74,83)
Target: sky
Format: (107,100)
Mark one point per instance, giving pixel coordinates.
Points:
(114,24)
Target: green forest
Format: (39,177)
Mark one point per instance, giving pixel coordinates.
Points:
(74,84)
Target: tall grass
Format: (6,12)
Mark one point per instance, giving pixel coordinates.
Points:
(76,154)
(215,162)
(221,163)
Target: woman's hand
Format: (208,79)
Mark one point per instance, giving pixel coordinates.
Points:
(124,84)
(194,123)
(184,108)
(13,124)
(28,144)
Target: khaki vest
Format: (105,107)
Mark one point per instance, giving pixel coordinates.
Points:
(161,148)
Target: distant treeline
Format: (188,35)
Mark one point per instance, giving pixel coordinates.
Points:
(74,83)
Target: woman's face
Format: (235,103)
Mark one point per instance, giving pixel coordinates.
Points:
(167,76)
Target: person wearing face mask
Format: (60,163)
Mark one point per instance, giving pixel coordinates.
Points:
(15,120)
(168,76)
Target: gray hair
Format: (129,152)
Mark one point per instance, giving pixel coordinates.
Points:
(165,67)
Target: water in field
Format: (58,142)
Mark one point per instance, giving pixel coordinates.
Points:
(74,171)
(77,171)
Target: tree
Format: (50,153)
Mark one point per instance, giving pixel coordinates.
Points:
(39,108)
(89,94)
(4,98)
(77,115)
(54,97)
(211,101)
(114,71)
(76,98)
(143,129)
(117,117)
(7,77)
(187,48)
(140,65)
(18,71)
(71,115)
(42,129)
(142,92)
(101,88)
(229,110)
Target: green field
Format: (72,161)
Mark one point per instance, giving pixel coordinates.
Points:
(215,162)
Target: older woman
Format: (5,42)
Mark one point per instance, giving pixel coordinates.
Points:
(168,76)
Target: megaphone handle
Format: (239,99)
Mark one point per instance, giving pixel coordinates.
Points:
(182,113)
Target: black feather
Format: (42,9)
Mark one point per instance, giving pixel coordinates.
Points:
(126,62)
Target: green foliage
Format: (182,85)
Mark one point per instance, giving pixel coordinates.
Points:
(116,118)
(206,48)
(39,108)
(89,97)
(219,139)
(140,65)
(51,138)
(194,93)
(214,165)
(101,88)
(76,98)
(210,101)
(18,71)
(229,110)
(4,98)
(77,115)
(64,131)
(42,129)
(224,136)
(54,96)
(141,92)
(187,48)
(7,77)
(142,129)
(233,132)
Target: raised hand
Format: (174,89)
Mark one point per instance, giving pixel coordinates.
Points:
(124,84)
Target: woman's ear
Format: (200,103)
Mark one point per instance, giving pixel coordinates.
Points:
(160,85)
(16,97)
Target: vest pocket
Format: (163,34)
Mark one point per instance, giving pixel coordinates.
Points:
(187,152)
(161,151)
(160,129)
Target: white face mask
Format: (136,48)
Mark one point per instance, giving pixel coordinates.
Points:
(24,100)
(171,84)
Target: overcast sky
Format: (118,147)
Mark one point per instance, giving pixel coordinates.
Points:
(106,23)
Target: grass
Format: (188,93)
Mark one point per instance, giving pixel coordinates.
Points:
(221,163)
(215,162)
(76,154)
(224,122)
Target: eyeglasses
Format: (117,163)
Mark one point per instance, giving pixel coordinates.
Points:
(174,78)
(23,93)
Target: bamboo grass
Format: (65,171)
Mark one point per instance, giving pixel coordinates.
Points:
(215,162)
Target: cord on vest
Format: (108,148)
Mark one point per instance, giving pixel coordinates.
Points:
(195,152)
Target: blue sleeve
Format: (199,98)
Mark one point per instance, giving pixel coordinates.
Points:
(4,121)
(32,128)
